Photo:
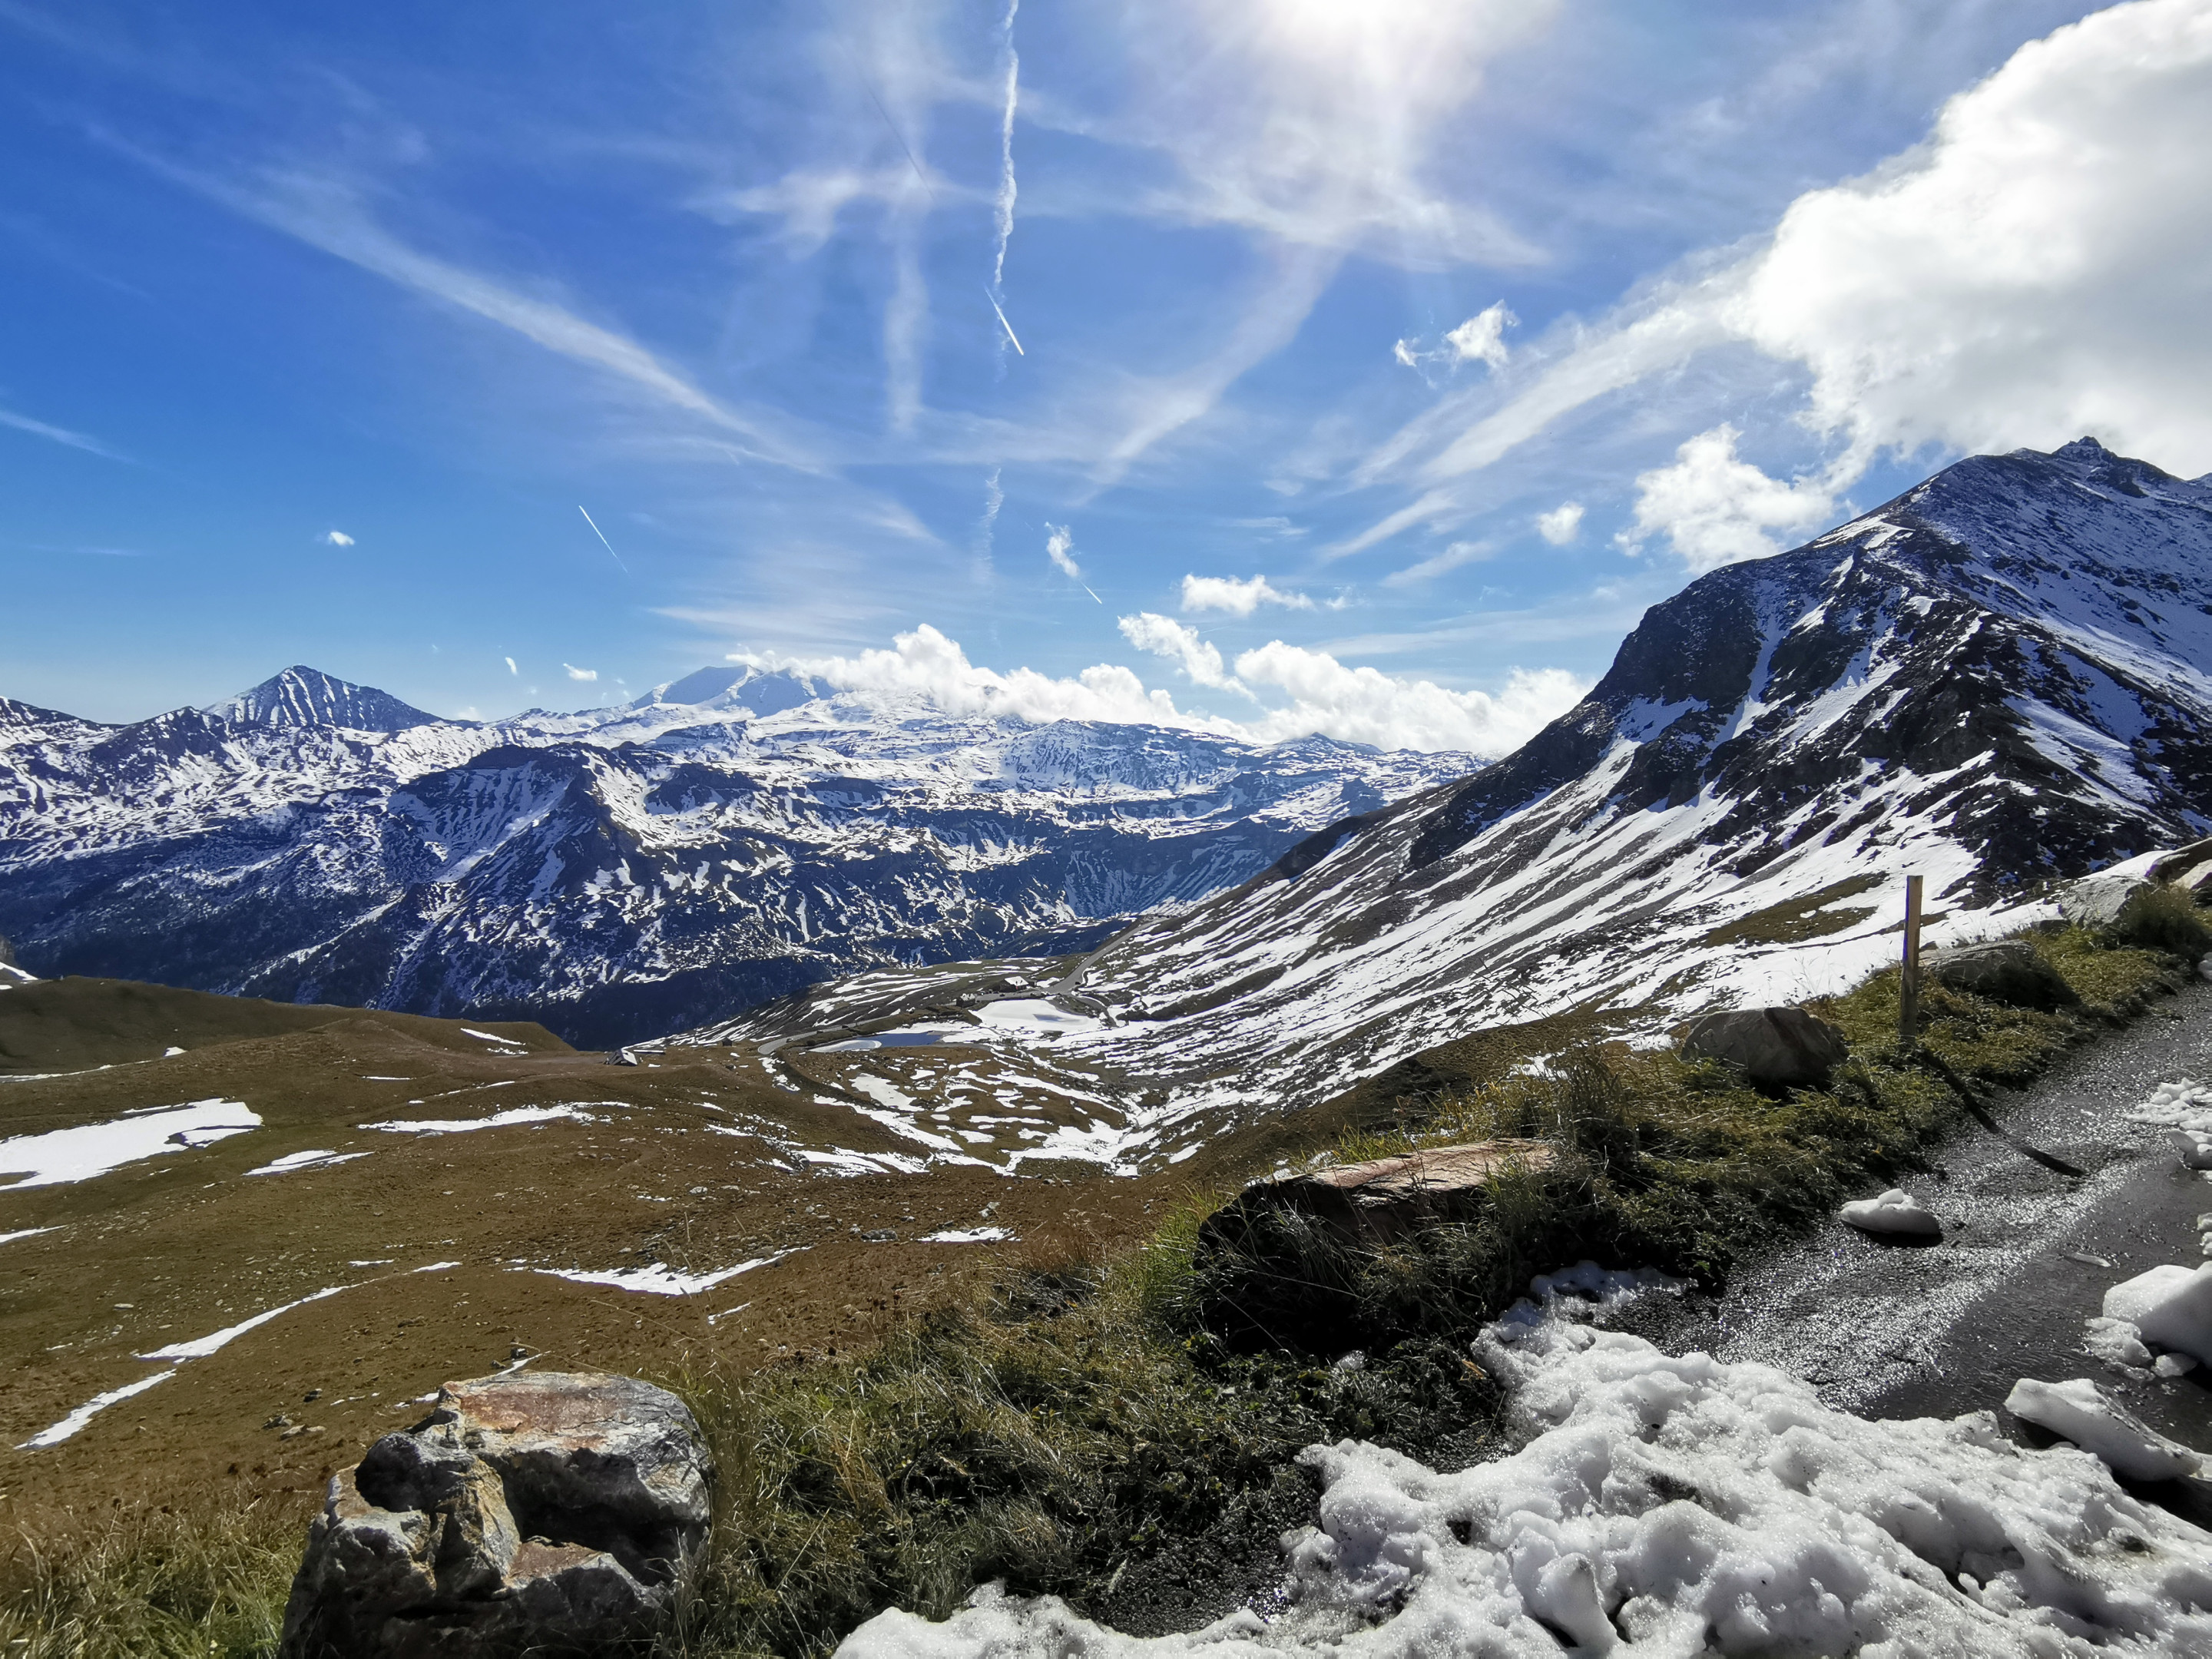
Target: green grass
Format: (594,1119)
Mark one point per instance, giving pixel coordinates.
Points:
(151,1585)
(1090,1420)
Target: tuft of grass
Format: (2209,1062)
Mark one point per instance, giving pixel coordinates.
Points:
(150,1584)
(1044,1440)
(2162,918)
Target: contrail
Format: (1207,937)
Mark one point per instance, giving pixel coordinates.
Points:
(603,542)
(869,87)
(1003,322)
(1087,589)
(1004,207)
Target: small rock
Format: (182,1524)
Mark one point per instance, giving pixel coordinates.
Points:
(1774,1048)
(2006,970)
(622,1057)
(537,1513)
(311,1395)
(281,1420)
(880,1235)
(1895,1211)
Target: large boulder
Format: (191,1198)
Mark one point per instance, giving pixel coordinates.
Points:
(2006,970)
(2101,900)
(538,1514)
(1773,1047)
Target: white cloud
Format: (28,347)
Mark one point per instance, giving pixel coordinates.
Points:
(925,663)
(2036,271)
(1562,524)
(510,668)
(1239,597)
(2033,272)
(1180,644)
(1481,337)
(577,673)
(1057,546)
(335,538)
(1451,558)
(1357,705)
(1718,509)
(1365,705)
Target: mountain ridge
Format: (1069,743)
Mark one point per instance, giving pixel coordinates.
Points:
(625,871)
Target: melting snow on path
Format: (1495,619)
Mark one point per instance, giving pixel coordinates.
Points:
(1677,1506)
(969,1236)
(453,1126)
(660,1279)
(93,1149)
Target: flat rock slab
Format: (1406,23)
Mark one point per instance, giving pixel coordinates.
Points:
(540,1514)
(1433,1170)
(1376,1203)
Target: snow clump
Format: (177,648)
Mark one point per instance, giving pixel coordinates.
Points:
(2085,1415)
(2170,1307)
(1679,1505)
(1895,1211)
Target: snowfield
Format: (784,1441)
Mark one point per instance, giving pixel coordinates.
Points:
(1676,1506)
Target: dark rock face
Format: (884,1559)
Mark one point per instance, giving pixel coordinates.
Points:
(541,1514)
(1773,1047)
(2003,970)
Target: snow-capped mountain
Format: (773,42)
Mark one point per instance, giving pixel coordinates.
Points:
(623,872)
(307,697)
(2003,678)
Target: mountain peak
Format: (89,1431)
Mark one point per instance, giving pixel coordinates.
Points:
(763,691)
(304,696)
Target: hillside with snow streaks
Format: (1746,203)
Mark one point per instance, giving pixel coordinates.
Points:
(1998,680)
(620,872)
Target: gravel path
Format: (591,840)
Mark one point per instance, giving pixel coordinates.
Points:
(1901,1330)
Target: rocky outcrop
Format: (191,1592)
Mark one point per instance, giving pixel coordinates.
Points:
(1773,1047)
(2101,901)
(2006,970)
(545,1514)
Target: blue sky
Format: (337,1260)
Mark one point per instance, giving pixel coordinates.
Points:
(1472,329)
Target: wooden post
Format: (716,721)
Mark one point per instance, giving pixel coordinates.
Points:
(1908,1000)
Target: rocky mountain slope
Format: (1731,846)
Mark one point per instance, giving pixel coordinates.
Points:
(2003,678)
(626,871)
